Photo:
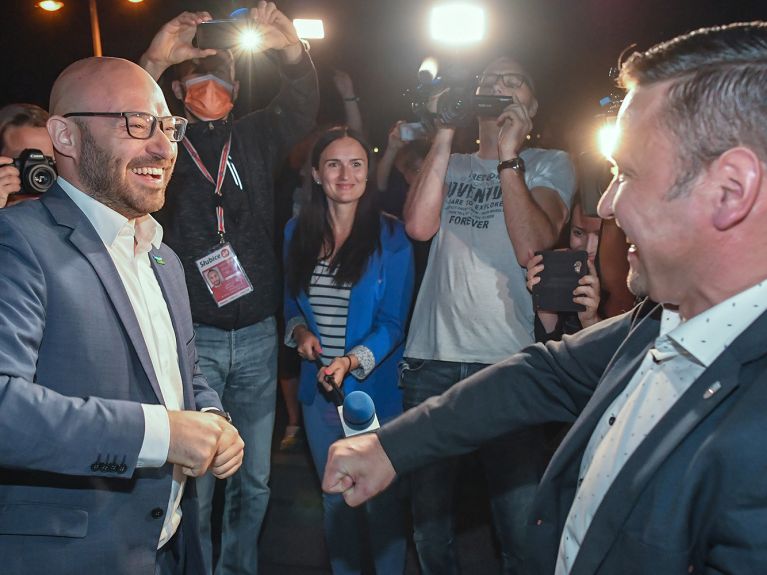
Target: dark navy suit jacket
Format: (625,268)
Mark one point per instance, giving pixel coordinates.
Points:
(73,370)
(691,499)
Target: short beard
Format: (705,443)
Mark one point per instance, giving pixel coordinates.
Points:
(99,174)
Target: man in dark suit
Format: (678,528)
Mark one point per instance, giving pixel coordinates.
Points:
(664,467)
(100,432)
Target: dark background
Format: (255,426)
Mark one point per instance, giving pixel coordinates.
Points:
(568,45)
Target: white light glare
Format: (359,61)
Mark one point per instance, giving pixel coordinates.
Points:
(457,23)
(309,29)
(250,39)
(607,138)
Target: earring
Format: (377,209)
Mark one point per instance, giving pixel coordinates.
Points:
(317,182)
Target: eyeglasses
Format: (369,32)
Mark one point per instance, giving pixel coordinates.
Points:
(141,126)
(509,79)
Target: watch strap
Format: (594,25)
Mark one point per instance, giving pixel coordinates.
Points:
(517,164)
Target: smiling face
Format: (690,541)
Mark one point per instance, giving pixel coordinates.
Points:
(660,225)
(342,171)
(124,173)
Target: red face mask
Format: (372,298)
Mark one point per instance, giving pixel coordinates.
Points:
(208,97)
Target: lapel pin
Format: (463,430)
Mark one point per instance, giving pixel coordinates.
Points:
(716,386)
(158,260)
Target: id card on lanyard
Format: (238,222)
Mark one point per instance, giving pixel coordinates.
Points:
(220,268)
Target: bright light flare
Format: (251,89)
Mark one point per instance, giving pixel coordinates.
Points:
(135,1)
(607,139)
(51,5)
(457,23)
(309,29)
(250,39)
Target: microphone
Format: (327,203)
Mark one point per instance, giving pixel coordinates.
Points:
(358,414)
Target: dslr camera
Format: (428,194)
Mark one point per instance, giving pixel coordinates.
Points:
(457,105)
(36,170)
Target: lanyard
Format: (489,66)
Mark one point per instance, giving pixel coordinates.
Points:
(220,227)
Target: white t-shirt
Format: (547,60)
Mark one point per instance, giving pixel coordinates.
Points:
(473,305)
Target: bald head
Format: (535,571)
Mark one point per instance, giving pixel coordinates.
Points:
(98,84)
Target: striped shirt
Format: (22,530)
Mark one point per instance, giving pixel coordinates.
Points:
(330,304)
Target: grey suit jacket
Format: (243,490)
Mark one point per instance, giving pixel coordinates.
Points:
(73,370)
(691,499)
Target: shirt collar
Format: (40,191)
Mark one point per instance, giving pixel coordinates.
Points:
(707,334)
(108,223)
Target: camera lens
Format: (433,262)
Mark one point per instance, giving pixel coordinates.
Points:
(38,179)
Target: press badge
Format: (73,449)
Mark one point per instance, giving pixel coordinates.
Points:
(222,273)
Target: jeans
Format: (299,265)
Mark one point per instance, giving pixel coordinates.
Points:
(353,535)
(513,465)
(241,365)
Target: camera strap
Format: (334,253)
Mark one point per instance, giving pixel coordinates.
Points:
(217,183)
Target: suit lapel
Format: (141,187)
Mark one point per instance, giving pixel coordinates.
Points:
(170,286)
(704,395)
(89,244)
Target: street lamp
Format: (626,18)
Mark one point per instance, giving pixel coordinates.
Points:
(55,5)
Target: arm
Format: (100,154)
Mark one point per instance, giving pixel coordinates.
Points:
(345,88)
(423,205)
(534,216)
(540,384)
(386,162)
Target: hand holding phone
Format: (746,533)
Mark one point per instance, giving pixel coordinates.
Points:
(562,269)
(409,132)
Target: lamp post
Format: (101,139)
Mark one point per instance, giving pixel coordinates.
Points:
(55,5)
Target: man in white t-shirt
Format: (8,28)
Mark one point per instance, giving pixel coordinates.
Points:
(487,213)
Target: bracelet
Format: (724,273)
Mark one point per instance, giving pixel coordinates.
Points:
(350,362)
(352,99)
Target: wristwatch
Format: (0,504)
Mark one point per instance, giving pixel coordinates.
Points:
(224,414)
(517,164)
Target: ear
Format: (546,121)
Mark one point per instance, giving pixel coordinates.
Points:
(65,135)
(178,89)
(315,175)
(737,173)
(235,90)
(532,109)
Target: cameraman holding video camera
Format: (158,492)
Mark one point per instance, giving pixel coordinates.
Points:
(22,127)
(220,208)
(487,213)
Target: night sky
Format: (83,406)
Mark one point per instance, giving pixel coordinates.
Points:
(568,45)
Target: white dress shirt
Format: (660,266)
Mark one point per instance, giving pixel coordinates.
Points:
(128,243)
(682,352)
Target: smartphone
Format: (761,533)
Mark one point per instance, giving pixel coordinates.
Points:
(221,34)
(413,131)
(561,271)
(490,106)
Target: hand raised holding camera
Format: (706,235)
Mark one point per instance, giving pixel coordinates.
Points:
(173,44)
(587,294)
(276,31)
(10,180)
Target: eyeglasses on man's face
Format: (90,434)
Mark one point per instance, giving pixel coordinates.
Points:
(509,79)
(141,126)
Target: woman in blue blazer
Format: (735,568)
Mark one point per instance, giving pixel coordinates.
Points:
(349,286)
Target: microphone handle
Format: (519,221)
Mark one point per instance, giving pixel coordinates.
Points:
(336,393)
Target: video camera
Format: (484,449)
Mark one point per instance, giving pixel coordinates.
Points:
(36,170)
(457,105)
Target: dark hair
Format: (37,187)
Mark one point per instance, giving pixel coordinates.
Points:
(313,235)
(717,96)
(15,115)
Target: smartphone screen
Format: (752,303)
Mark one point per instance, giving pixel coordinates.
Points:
(220,34)
(561,271)
(412,131)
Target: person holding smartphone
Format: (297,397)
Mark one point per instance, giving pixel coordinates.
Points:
(222,193)
(552,325)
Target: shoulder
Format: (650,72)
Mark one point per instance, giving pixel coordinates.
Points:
(393,236)
(535,157)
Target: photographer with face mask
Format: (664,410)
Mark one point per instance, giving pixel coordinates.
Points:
(219,214)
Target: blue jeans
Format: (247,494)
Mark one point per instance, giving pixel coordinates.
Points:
(241,365)
(377,527)
(513,464)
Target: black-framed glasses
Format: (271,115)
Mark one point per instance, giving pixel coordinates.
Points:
(141,125)
(509,79)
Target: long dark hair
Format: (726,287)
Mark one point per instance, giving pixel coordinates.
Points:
(314,233)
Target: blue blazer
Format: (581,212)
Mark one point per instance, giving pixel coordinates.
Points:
(378,308)
(73,370)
